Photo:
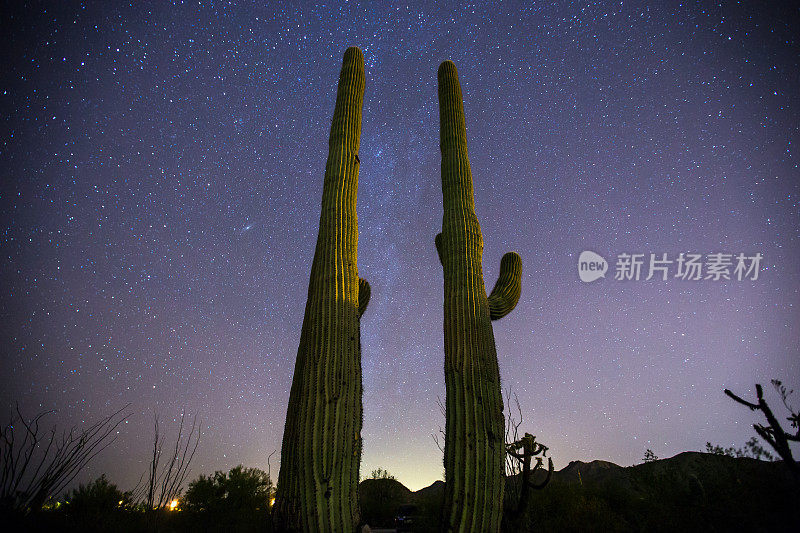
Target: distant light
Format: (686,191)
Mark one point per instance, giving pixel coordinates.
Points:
(272,501)
(173,505)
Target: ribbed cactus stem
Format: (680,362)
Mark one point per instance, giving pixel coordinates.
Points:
(321,451)
(474,451)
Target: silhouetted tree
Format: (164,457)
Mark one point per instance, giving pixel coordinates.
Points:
(248,488)
(240,490)
(206,493)
(95,499)
(37,465)
(774,434)
(650,456)
(380,473)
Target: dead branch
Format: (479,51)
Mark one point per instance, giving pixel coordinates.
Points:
(40,466)
(774,434)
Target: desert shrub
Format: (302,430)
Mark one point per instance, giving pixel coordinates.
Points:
(96,498)
(240,490)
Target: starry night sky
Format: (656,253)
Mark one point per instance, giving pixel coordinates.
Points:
(162,171)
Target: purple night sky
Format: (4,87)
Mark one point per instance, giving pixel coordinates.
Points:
(162,173)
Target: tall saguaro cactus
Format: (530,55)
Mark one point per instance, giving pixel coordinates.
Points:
(321,450)
(474,452)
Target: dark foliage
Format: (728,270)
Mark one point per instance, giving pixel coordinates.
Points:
(238,501)
(752,449)
(689,492)
(95,506)
(96,498)
(650,456)
(380,473)
(206,493)
(242,490)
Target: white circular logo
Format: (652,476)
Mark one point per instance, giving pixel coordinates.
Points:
(591,266)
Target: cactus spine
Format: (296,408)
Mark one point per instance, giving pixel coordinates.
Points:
(474,452)
(321,450)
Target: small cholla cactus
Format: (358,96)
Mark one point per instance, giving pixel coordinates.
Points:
(474,452)
(321,451)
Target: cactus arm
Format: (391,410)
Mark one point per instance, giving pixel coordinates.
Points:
(546,479)
(517,455)
(438,242)
(364,292)
(505,295)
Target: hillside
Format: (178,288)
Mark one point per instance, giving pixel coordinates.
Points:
(691,491)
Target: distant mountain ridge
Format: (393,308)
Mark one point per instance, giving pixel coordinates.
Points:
(691,491)
(575,468)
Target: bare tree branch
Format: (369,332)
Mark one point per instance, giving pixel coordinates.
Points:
(752,406)
(165,481)
(774,434)
(39,466)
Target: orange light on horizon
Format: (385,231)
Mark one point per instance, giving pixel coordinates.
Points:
(173,505)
